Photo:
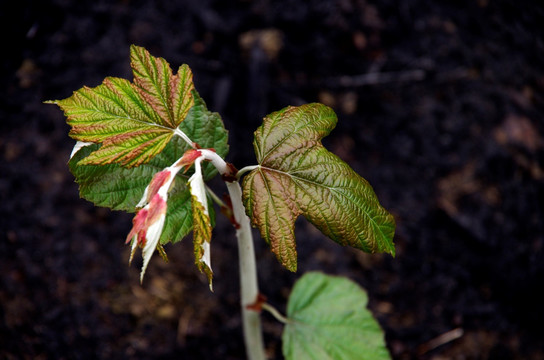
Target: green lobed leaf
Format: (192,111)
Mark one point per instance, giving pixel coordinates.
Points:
(121,188)
(132,121)
(328,319)
(298,176)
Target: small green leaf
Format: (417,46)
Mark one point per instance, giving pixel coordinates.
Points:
(132,121)
(298,176)
(328,319)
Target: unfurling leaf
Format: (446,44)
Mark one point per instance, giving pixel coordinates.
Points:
(132,121)
(147,229)
(202,235)
(149,221)
(298,176)
(328,320)
(202,227)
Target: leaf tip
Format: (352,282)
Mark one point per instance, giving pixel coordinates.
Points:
(289,262)
(292,268)
(135,48)
(392,251)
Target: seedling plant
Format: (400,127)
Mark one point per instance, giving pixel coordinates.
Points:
(151,145)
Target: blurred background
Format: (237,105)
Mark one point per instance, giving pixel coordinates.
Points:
(440,107)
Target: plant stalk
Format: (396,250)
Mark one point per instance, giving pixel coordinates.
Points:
(249,287)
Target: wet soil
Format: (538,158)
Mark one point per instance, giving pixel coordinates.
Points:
(440,107)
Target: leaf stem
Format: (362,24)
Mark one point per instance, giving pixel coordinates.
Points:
(272,310)
(214,196)
(243,170)
(184,136)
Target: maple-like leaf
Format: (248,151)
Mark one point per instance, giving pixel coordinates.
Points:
(298,176)
(132,121)
(121,188)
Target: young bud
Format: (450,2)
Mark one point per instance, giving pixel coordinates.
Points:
(148,223)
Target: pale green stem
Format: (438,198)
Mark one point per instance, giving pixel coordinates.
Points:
(243,170)
(249,288)
(272,310)
(185,138)
(214,197)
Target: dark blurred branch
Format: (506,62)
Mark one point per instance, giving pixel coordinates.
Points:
(376,78)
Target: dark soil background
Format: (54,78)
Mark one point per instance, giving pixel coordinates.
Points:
(440,107)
